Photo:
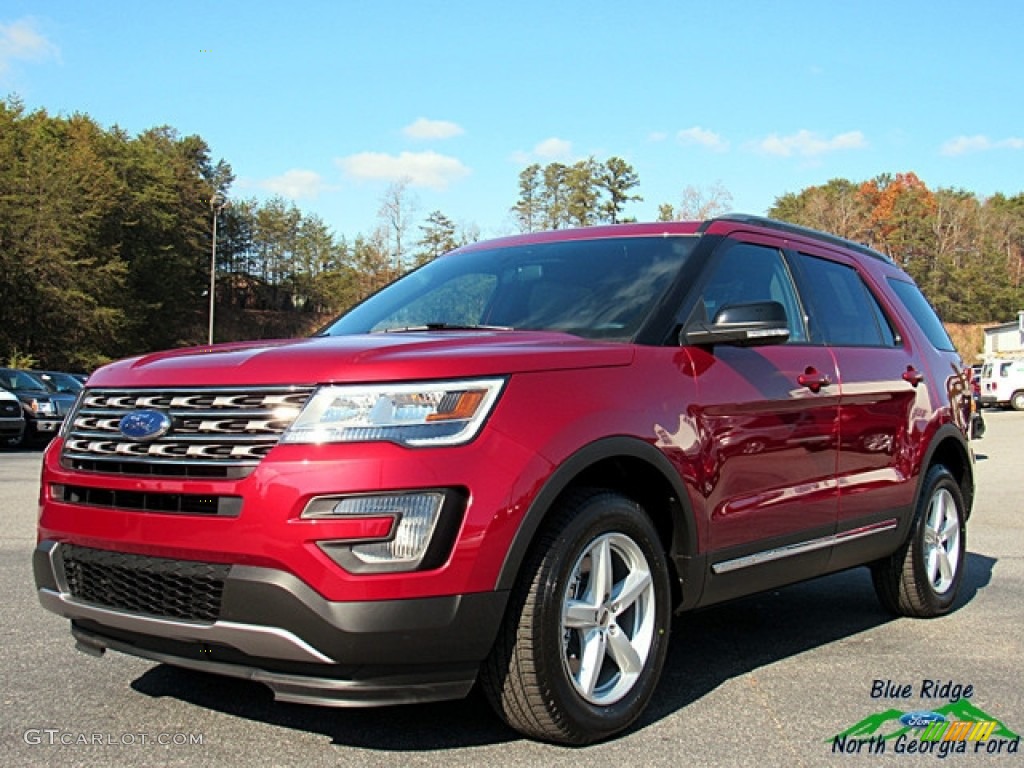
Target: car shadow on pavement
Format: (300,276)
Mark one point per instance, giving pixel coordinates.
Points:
(712,646)
(708,648)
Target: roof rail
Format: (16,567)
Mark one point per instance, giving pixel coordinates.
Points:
(796,229)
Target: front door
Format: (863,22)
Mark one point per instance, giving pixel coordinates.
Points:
(767,418)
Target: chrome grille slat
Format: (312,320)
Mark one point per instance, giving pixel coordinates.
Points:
(232,428)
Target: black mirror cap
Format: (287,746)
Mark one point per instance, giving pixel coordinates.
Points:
(753,324)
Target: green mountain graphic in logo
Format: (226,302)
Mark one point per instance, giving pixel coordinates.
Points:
(886,725)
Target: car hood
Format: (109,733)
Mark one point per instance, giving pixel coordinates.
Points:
(364,358)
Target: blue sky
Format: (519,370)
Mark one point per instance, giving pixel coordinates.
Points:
(327,103)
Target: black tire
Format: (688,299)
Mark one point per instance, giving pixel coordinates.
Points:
(921,579)
(1017,400)
(536,677)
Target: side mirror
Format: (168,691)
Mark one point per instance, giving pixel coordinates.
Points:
(755,324)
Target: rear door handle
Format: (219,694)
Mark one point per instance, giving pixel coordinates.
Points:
(913,376)
(813,380)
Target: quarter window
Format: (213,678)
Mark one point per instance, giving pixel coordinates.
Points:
(919,308)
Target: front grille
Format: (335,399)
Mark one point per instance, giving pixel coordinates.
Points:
(214,433)
(9,409)
(157,586)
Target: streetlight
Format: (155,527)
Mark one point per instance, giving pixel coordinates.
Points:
(217,204)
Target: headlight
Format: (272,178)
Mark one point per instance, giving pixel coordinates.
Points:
(42,407)
(425,414)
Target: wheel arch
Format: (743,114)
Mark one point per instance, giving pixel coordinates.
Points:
(628,466)
(949,448)
(1013,402)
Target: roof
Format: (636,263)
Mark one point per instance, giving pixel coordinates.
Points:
(673,228)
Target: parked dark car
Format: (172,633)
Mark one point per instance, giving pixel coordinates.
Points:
(60,381)
(977,417)
(43,408)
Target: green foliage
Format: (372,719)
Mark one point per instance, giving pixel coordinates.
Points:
(617,178)
(105,244)
(587,192)
(966,253)
(438,237)
(18,359)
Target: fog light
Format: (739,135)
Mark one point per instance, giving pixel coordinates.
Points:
(415,515)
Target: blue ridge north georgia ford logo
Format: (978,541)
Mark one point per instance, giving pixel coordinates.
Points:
(144,425)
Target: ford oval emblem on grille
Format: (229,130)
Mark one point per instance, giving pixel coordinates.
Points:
(144,425)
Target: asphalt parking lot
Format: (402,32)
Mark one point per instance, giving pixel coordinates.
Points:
(766,681)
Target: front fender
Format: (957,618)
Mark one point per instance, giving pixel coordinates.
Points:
(684,543)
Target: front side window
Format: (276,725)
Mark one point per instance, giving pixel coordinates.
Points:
(600,289)
(747,273)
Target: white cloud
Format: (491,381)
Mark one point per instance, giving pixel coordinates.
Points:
(704,138)
(295,184)
(423,169)
(808,144)
(963,145)
(553,149)
(19,40)
(422,128)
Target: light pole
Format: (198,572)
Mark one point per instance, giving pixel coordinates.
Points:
(217,203)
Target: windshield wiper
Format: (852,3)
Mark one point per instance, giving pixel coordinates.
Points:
(446,327)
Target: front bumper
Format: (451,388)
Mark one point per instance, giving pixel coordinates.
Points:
(43,427)
(272,628)
(11,429)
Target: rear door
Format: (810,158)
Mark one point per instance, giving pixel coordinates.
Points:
(882,387)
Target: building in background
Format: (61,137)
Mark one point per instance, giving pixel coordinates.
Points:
(1005,340)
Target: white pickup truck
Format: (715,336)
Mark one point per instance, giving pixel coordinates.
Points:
(12,420)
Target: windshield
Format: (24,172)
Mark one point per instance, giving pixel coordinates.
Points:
(19,381)
(600,289)
(64,383)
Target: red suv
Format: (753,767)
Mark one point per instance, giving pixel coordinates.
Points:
(512,466)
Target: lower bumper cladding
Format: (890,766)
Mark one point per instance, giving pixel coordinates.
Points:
(274,629)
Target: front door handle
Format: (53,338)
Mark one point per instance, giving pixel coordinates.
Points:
(813,380)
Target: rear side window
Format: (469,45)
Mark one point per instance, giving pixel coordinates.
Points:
(919,308)
(846,312)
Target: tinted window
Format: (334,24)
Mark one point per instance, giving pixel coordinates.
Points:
(846,312)
(747,273)
(919,308)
